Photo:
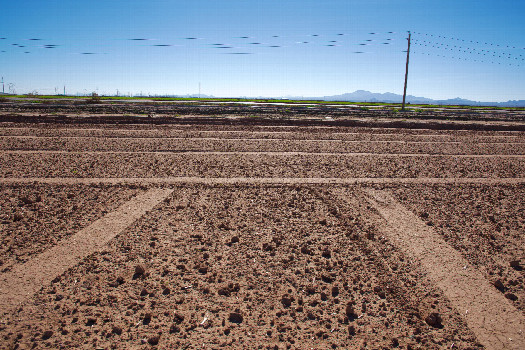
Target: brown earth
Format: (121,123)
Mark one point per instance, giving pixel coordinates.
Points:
(261,265)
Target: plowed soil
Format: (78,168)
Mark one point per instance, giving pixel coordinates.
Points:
(236,251)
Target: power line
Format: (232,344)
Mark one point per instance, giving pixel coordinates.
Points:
(467,41)
(469,50)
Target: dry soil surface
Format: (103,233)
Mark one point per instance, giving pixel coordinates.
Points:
(256,237)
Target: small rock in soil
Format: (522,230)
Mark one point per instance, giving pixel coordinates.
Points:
(235,239)
(235,317)
(434,320)
(116,330)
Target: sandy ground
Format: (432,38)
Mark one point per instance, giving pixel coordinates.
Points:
(251,264)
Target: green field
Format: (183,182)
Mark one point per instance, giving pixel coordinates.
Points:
(36,98)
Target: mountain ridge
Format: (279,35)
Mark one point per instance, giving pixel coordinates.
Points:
(388,97)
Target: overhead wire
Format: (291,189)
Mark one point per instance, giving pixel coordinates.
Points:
(468,50)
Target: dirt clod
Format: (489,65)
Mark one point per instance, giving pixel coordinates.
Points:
(306,250)
(235,317)
(380,292)
(327,278)
(174,329)
(268,247)
(26,200)
(499,285)
(287,302)
(116,330)
(140,270)
(434,320)
(47,335)
(515,264)
(178,318)
(154,340)
(350,311)
(511,296)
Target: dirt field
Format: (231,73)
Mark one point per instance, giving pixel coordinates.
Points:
(201,236)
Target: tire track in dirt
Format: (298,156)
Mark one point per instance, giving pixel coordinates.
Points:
(247,139)
(495,321)
(326,134)
(268,139)
(261,180)
(25,280)
(271,153)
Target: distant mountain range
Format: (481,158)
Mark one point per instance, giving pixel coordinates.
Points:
(367,96)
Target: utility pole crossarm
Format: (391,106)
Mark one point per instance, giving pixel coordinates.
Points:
(406,73)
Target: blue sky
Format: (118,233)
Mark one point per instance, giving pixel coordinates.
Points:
(287,51)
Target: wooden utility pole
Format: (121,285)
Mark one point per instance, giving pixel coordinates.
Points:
(406,73)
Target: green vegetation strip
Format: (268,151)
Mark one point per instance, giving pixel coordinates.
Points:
(35,98)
